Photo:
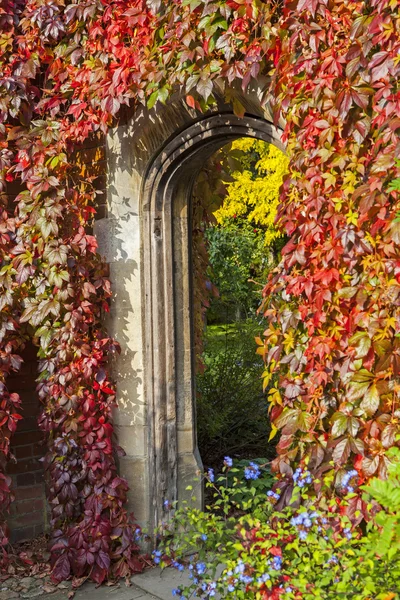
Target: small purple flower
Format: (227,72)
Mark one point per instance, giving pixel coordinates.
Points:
(347,477)
(228,462)
(178,565)
(204,537)
(347,533)
(277,563)
(210,474)
(301,477)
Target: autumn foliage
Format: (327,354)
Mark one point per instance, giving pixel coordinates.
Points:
(333,304)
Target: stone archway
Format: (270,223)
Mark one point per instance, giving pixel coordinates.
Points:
(153,162)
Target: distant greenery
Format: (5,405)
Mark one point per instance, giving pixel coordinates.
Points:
(239,265)
(232,412)
(241,190)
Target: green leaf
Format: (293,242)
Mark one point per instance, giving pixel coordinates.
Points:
(339,426)
(152,100)
(371,401)
(362,342)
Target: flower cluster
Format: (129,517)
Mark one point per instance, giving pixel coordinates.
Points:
(177,565)
(238,575)
(273,495)
(252,471)
(347,533)
(304,521)
(228,462)
(347,477)
(157,554)
(243,574)
(301,477)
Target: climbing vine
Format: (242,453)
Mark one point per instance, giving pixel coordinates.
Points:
(65,72)
(334,304)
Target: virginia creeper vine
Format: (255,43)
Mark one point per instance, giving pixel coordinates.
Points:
(333,305)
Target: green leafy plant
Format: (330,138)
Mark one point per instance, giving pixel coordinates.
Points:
(238,260)
(232,409)
(250,549)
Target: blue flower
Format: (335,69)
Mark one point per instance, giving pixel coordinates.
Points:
(201,568)
(239,567)
(252,471)
(204,537)
(274,495)
(277,563)
(211,589)
(157,556)
(303,535)
(178,592)
(347,477)
(347,533)
(211,475)
(228,462)
(301,477)
(178,565)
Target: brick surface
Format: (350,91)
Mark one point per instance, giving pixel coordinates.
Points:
(28,512)
(28,493)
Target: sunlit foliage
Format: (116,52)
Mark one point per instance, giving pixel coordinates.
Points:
(254,191)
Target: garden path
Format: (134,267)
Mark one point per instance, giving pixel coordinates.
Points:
(150,585)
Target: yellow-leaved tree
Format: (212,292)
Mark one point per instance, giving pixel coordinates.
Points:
(253,191)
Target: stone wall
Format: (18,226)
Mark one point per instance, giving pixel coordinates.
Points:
(153,158)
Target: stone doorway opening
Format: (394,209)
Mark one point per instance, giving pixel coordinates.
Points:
(234,246)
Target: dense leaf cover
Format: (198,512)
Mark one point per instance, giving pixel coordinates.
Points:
(65,71)
(333,305)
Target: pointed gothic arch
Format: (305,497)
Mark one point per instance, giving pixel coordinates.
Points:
(153,161)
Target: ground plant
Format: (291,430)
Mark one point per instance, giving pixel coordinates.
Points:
(232,409)
(330,70)
(247,549)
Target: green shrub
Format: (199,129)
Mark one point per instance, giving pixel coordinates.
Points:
(232,411)
(249,550)
(238,258)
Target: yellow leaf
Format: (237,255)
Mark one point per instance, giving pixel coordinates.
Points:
(273,433)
